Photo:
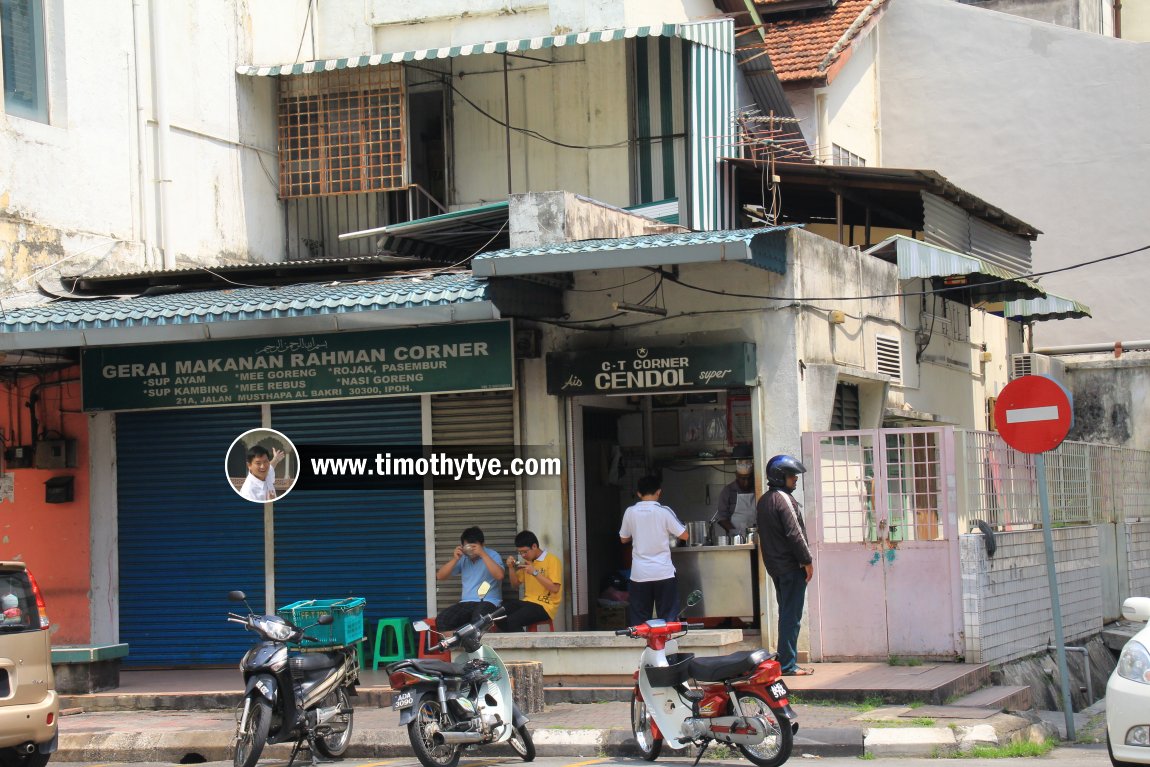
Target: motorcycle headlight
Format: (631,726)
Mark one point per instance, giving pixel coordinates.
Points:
(276,628)
(1134,663)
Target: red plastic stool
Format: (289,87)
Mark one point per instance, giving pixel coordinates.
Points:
(425,642)
(550,623)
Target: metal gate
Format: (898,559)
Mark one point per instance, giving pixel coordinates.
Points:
(881,513)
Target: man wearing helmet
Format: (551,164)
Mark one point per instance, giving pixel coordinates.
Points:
(786,554)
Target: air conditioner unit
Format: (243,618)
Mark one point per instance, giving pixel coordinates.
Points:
(1030,364)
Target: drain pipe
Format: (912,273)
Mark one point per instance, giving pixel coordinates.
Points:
(1117,347)
(1086,665)
(163,128)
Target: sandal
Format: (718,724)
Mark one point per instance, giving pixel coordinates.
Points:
(800,672)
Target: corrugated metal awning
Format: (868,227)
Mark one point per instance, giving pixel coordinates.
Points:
(444,237)
(248,312)
(755,247)
(1051,307)
(521,45)
(986,281)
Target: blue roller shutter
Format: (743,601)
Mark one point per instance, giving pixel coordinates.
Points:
(185,537)
(331,544)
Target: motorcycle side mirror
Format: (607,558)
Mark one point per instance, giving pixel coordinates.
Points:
(421,626)
(694,598)
(483,589)
(325,620)
(237,596)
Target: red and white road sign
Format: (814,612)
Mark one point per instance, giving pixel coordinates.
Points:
(1034,414)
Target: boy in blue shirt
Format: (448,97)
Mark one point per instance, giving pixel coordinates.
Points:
(475,563)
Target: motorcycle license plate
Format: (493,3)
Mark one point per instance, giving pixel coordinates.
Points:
(778,690)
(402,700)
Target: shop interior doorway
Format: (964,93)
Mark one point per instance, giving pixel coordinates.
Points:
(689,439)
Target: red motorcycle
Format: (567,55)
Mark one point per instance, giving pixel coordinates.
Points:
(739,698)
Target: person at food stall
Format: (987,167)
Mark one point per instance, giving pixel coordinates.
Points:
(736,510)
(541,574)
(786,554)
(649,527)
(475,564)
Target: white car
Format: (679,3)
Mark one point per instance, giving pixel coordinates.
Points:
(1128,693)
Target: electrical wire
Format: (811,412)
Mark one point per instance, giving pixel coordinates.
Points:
(901,294)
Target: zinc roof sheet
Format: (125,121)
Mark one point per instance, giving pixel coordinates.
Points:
(210,306)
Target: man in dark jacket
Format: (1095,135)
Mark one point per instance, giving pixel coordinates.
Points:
(786,554)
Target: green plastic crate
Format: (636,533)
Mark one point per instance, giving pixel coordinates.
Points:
(347,626)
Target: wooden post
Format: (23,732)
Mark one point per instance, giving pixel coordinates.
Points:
(526,684)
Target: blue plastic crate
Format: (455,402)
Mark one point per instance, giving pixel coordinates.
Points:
(347,626)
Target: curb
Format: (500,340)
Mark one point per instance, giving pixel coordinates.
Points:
(216,745)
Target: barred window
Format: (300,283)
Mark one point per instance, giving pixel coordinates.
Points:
(341,132)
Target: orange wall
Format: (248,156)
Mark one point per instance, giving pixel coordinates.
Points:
(53,539)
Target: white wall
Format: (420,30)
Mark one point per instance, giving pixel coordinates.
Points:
(1006,599)
(851,103)
(561,102)
(1041,121)
(82,191)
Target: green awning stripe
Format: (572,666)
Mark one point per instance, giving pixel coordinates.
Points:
(426,54)
(1051,307)
(919,260)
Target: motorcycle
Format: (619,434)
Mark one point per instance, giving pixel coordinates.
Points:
(291,695)
(739,699)
(447,707)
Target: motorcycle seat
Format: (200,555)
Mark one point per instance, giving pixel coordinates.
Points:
(721,667)
(429,666)
(316,661)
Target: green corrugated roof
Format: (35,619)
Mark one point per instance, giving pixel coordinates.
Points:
(216,306)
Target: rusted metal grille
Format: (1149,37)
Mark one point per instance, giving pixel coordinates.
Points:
(342,132)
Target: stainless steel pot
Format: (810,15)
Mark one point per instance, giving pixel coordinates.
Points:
(697,533)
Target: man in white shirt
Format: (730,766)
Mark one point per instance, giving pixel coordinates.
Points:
(260,486)
(649,527)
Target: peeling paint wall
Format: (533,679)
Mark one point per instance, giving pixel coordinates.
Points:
(81,191)
(1111,401)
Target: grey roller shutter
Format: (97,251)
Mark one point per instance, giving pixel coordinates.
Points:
(486,418)
(185,537)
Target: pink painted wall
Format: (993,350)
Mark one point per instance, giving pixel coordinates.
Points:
(53,539)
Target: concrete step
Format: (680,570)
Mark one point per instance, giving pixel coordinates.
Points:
(1001,697)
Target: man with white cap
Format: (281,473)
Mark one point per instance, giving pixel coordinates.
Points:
(736,510)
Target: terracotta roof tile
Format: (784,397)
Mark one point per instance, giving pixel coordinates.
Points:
(798,46)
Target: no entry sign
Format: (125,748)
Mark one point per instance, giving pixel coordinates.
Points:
(1034,414)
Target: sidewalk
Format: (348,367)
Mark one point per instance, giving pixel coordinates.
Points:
(563,729)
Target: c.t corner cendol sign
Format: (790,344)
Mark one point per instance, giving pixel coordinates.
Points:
(630,371)
(369,363)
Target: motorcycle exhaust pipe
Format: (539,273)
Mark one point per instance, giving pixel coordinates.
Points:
(460,737)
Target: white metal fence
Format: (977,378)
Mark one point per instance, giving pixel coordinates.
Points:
(1088,483)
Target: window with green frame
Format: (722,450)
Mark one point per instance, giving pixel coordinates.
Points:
(22,43)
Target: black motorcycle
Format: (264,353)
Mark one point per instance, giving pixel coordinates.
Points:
(292,696)
(447,707)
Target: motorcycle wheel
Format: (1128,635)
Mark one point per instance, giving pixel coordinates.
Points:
(334,744)
(776,748)
(643,726)
(521,741)
(250,741)
(421,732)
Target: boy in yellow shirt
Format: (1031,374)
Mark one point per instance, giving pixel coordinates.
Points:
(541,574)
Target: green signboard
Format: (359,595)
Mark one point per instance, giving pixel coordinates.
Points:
(630,371)
(369,363)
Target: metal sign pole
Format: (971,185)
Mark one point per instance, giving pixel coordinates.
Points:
(1055,604)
